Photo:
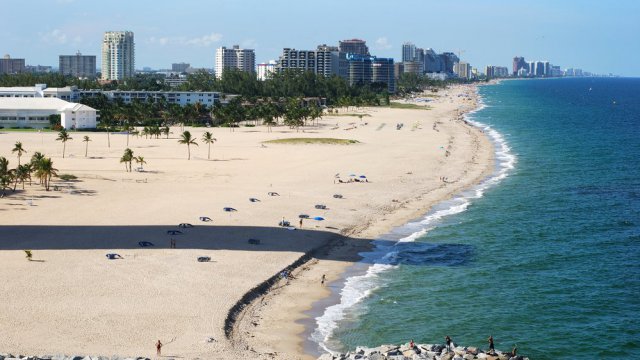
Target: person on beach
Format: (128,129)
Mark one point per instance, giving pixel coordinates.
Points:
(300,223)
(492,349)
(324,277)
(448,341)
(158,347)
(412,345)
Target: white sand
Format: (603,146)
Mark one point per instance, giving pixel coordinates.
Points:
(77,302)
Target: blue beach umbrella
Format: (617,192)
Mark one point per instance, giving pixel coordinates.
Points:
(319,218)
(362,177)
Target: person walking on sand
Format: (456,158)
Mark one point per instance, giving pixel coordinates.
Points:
(324,277)
(448,341)
(300,223)
(158,347)
(492,349)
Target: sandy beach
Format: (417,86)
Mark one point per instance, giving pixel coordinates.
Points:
(71,299)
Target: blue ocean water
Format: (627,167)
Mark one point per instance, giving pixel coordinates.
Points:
(544,254)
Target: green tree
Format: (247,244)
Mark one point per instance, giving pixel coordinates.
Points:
(208,138)
(36,161)
(5,178)
(64,137)
(140,160)
(86,139)
(18,149)
(186,138)
(127,159)
(46,171)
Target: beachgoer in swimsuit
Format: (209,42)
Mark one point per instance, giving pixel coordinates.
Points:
(158,347)
(491,348)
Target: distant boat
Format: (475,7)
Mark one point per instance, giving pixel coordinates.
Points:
(590,89)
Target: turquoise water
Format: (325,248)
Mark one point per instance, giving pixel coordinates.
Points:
(545,254)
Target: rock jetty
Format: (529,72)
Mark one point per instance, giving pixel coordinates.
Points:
(420,352)
(7,356)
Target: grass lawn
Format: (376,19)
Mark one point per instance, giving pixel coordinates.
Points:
(396,105)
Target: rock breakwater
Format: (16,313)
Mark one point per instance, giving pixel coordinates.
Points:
(420,352)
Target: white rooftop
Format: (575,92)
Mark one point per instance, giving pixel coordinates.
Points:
(18,103)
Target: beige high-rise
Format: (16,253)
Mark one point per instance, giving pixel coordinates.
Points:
(118,55)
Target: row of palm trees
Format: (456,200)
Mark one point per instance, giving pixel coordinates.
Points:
(40,166)
(188,139)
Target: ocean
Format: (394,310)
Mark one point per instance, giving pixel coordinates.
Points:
(543,254)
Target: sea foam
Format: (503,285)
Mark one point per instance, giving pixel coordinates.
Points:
(358,287)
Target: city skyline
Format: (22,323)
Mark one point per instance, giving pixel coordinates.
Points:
(168,34)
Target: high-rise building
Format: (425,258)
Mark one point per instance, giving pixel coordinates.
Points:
(432,62)
(539,68)
(354,46)
(367,69)
(408,52)
(462,69)
(78,65)
(118,55)
(180,67)
(448,59)
(11,66)
(518,63)
(235,58)
(325,60)
(265,69)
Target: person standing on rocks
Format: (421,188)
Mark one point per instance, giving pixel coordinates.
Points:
(158,347)
(448,341)
(492,349)
(324,278)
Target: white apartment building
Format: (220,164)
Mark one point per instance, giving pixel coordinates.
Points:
(69,93)
(235,58)
(35,112)
(265,69)
(118,55)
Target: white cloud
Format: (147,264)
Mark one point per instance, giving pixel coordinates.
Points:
(203,41)
(382,43)
(56,36)
(206,40)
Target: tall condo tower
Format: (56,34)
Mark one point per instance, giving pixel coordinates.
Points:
(235,58)
(118,55)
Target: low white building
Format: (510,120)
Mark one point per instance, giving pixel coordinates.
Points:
(35,112)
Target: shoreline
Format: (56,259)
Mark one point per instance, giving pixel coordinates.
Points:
(164,293)
(303,314)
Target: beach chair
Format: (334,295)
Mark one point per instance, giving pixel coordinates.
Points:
(284,223)
(254,200)
(145,244)
(273,194)
(113,256)
(185,225)
(229,209)
(28,254)
(303,216)
(254,241)
(204,259)
(205,218)
(337,196)
(321,207)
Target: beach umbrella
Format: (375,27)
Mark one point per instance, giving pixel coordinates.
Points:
(352,174)
(362,177)
(319,218)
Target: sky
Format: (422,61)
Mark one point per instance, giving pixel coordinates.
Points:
(598,36)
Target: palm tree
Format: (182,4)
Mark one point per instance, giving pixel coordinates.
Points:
(36,160)
(127,158)
(186,138)
(64,137)
(46,171)
(208,139)
(86,148)
(18,149)
(5,179)
(140,160)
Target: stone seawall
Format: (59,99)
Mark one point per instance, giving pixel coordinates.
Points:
(421,351)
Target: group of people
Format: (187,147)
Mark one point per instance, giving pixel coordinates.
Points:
(450,345)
